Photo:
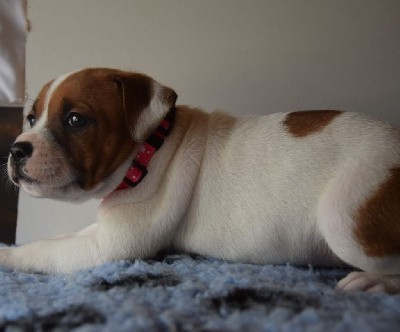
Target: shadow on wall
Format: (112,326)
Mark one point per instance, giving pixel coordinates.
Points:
(10,127)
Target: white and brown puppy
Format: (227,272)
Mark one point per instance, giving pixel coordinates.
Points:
(318,188)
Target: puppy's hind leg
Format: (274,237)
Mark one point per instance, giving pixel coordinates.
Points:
(360,220)
(370,282)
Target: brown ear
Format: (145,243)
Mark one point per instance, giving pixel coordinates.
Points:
(145,103)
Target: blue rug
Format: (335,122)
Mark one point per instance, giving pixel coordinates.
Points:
(191,293)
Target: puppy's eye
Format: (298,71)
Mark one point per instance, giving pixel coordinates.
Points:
(76,120)
(31,119)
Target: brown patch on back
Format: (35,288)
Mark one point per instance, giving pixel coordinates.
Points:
(304,123)
(378,219)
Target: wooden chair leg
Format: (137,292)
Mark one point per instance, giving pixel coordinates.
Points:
(10,128)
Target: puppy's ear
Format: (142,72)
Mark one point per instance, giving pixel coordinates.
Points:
(145,103)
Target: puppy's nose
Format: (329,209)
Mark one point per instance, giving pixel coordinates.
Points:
(21,151)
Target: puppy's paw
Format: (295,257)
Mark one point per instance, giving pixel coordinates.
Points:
(370,282)
(6,258)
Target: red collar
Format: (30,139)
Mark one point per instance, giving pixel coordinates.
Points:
(138,170)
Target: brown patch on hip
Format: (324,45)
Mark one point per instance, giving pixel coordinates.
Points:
(378,219)
(304,123)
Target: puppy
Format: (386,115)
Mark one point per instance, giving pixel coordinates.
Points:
(310,187)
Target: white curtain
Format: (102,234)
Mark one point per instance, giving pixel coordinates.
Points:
(12,52)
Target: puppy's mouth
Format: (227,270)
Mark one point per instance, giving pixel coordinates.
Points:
(38,187)
(19,176)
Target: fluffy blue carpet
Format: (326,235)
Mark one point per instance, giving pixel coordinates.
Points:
(186,293)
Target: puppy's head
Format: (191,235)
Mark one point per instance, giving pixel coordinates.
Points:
(84,129)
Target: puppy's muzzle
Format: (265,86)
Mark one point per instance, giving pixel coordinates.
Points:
(20,152)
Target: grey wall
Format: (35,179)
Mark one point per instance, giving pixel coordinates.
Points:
(238,56)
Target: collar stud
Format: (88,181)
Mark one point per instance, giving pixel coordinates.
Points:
(138,169)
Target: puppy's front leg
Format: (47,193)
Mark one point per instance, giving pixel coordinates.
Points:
(122,232)
(89,247)
(57,255)
(85,231)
